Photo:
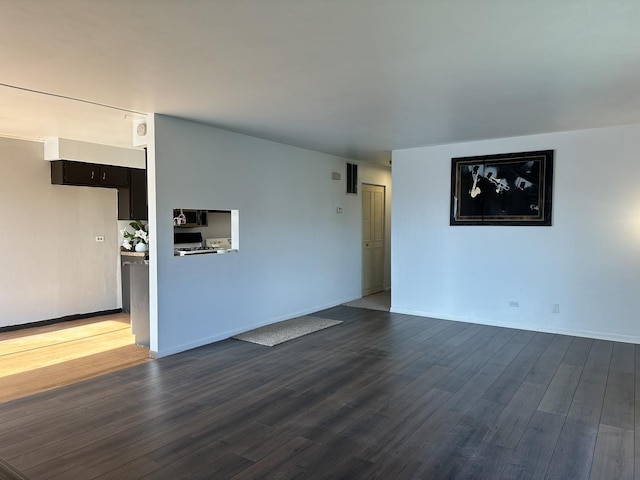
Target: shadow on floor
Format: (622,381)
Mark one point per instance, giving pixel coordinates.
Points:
(377,301)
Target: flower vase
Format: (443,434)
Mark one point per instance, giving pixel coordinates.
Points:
(142,247)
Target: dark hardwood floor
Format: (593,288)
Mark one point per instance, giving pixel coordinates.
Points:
(382,396)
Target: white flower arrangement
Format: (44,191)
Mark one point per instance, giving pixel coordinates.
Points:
(139,235)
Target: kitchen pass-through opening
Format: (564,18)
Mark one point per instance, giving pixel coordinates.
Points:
(205,231)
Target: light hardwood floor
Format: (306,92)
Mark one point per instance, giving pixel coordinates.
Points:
(37,359)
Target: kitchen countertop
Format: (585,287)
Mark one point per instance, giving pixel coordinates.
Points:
(129,253)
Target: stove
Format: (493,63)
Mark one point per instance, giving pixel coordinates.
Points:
(191,243)
(182,251)
(187,243)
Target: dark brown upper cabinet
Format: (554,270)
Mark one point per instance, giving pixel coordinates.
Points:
(130,182)
(66,172)
(132,200)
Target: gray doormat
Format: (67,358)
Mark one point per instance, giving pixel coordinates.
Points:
(276,333)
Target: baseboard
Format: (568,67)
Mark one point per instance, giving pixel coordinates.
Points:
(67,318)
(613,337)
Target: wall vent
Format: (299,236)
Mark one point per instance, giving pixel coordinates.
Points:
(352,178)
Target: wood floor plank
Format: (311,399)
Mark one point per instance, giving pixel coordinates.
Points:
(254,441)
(37,338)
(487,464)
(531,457)
(559,395)
(473,331)
(463,443)
(476,346)
(516,344)
(424,438)
(282,456)
(623,358)
(403,424)
(51,429)
(31,360)
(471,364)
(205,467)
(514,419)
(346,448)
(37,359)
(613,456)
(100,451)
(466,397)
(578,351)
(388,396)
(52,403)
(586,406)
(573,455)
(9,472)
(512,377)
(545,367)
(403,398)
(122,318)
(618,409)
(37,341)
(37,379)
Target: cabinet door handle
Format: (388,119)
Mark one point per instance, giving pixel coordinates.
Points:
(104,175)
(93,174)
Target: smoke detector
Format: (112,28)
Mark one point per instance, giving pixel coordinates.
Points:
(140,133)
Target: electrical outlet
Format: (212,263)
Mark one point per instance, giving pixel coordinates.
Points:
(555,308)
(513,303)
(99,238)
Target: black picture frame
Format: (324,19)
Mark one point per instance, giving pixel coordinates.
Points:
(502,189)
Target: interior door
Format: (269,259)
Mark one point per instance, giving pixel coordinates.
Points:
(373,201)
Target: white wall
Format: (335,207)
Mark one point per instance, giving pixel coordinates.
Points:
(51,265)
(282,193)
(588,261)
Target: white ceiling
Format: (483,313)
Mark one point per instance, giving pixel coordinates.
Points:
(356,78)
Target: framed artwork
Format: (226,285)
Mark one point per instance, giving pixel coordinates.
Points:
(504,189)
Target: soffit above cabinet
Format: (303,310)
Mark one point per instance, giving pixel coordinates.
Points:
(56,148)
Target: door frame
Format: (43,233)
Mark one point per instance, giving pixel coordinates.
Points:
(384,235)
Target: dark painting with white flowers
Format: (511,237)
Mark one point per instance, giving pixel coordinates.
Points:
(502,189)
